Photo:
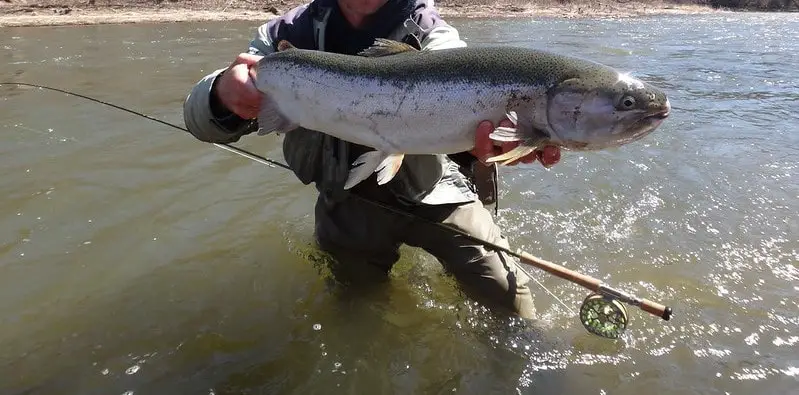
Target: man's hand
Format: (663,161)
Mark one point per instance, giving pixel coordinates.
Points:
(484,147)
(236,87)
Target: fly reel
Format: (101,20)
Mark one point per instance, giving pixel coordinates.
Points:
(603,316)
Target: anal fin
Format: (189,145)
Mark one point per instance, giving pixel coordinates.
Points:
(508,134)
(385,165)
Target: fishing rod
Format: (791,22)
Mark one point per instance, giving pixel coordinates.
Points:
(601,313)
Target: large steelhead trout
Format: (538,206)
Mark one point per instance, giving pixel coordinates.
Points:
(400,101)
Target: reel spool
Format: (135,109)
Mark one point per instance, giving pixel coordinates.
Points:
(603,316)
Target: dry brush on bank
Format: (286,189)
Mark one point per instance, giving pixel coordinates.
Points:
(276,7)
(81,12)
(762,5)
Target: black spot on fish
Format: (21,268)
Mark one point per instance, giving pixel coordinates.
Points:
(382,113)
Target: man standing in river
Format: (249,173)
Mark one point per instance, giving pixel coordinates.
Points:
(223,106)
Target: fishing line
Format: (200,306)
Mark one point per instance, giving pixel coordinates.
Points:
(273,163)
(601,313)
(246,154)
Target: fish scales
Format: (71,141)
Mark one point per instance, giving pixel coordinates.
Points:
(430,102)
(495,65)
(389,103)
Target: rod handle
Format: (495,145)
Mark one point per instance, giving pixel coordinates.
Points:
(655,308)
(576,277)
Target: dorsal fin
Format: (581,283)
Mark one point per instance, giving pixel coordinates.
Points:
(386,47)
(284,45)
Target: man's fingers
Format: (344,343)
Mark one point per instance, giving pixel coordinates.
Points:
(483,146)
(241,96)
(509,145)
(247,59)
(549,155)
(248,112)
(245,110)
(236,88)
(506,123)
(531,157)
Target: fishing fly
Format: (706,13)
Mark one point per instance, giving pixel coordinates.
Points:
(602,313)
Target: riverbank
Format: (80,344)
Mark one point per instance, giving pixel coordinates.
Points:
(88,12)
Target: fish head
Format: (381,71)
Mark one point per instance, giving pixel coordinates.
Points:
(602,111)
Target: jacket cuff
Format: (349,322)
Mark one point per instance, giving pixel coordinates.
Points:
(200,120)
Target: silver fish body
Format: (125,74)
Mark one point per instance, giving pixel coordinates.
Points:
(402,101)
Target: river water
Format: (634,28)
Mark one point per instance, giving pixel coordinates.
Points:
(137,260)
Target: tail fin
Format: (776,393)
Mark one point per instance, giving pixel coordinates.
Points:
(270,119)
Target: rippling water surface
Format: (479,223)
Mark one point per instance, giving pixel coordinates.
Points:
(136,260)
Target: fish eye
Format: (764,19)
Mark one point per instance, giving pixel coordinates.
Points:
(627,102)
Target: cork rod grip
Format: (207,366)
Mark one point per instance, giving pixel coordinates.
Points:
(655,308)
(589,282)
(562,272)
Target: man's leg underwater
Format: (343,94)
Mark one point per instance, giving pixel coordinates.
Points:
(486,275)
(360,237)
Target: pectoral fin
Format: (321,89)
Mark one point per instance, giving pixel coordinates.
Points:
(513,117)
(513,134)
(385,165)
(508,134)
(524,149)
(523,130)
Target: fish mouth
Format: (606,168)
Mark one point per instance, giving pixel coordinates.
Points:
(648,124)
(661,115)
(621,136)
(638,130)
